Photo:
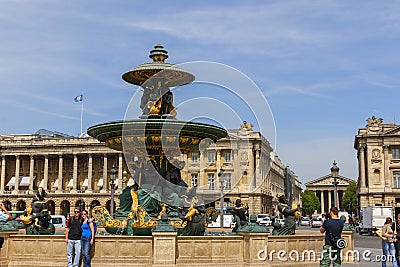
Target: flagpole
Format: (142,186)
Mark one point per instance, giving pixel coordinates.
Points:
(81,117)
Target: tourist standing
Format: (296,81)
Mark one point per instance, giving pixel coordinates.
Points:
(397,242)
(332,227)
(388,239)
(5,216)
(73,235)
(87,238)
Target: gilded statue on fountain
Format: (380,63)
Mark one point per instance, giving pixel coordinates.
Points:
(291,215)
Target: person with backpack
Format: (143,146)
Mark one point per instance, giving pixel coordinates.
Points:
(332,227)
(87,238)
(73,234)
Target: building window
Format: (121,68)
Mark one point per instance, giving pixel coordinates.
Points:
(228,181)
(395,153)
(195,157)
(211,156)
(211,184)
(396,179)
(194,179)
(227,156)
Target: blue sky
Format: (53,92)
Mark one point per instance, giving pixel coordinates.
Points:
(323,66)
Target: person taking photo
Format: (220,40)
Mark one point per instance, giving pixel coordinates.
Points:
(332,227)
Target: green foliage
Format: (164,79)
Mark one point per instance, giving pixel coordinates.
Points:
(349,200)
(310,202)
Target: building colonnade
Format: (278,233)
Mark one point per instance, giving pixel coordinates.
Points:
(53,172)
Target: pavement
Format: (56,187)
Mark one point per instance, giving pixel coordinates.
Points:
(368,247)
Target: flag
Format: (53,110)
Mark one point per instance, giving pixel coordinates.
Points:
(78,98)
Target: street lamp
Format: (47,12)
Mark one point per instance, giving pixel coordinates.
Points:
(221,187)
(113,176)
(335,175)
(124,179)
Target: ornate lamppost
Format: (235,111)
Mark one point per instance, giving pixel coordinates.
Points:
(113,176)
(335,175)
(124,179)
(221,187)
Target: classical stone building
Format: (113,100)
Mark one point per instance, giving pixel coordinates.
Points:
(378,152)
(324,190)
(75,171)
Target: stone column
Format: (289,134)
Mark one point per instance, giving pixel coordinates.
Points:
(31,170)
(255,248)
(339,199)
(330,193)
(349,237)
(201,178)
(120,165)
(75,174)
(164,252)
(362,168)
(257,171)
(105,168)
(322,201)
(60,174)
(236,168)
(90,174)
(46,172)
(386,181)
(3,173)
(185,171)
(16,175)
(218,164)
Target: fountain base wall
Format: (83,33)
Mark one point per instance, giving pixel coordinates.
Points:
(168,249)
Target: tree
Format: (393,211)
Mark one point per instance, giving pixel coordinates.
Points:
(310,202)
(349,200)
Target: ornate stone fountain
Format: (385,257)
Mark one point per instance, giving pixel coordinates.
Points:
(156,139)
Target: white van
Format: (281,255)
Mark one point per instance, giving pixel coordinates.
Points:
(58,221)
(261,217)
(228,222)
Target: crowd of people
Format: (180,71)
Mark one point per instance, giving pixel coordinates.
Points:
(79,236)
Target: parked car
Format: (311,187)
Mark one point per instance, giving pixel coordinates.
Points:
(228,222)
(261,216)
(58,221)
(266,221)
(305,221)
(316,222)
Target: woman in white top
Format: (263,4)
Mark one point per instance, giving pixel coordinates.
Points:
(388,249)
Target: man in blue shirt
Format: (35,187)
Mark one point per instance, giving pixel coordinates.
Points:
(332,227)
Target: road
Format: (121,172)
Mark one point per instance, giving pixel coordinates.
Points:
(369,248)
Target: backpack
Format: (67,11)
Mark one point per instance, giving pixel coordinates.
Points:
(337,241)
(69,220)
(94,227)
